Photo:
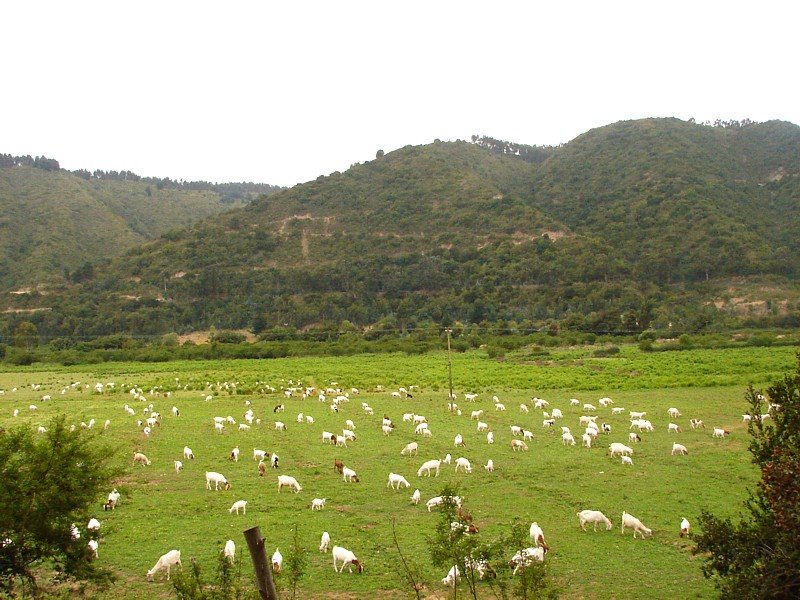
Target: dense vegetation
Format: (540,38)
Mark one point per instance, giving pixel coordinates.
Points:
(58,225)
(652,223)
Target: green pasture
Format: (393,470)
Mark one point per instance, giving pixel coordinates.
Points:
(161,510)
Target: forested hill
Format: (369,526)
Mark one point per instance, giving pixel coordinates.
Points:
(635,224)
(56,225)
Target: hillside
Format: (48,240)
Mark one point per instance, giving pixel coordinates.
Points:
(635,224)
(54,221)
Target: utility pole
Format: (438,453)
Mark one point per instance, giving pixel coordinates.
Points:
(449,366)
(258,554)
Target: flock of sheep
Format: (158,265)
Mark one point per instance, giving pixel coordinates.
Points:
(418,425)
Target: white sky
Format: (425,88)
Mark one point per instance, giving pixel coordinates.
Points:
(283,92)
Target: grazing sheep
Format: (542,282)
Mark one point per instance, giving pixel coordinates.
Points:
(324,542)
(516,430)
(399,480)
(262,468)
(410,449)
(280,426)
(523,408)
(586,440)
(229,551)
(527,435)
(349,475)
(415,497)
(93,525)
(556,414)
(178,466)
(459,440)
(489,466)
(338,465)
(347,558)
(617,410)
(636,525)
(567,438)
(277,561)
(483,426)
(463,463)
(217,479)
(173,557)
(517,445)
(720,433)
(594,517)
(386,429)
(525,557)
(684,527)
(259,454)
(452,576)
(92,546)
(673,428)
(697,424)
(537,536)
(490,438)
(428,466)
(679,448)
(674,413)
(288,481)
(140,459)
(634,437)
(627,460)
(237,505)
(447,459)
(234,454)
(619,449)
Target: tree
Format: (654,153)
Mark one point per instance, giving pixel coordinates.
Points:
(26,335)
(50,481)
(758,557)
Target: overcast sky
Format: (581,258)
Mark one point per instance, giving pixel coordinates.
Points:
(283,92)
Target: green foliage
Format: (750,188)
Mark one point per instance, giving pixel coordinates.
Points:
(296,562)
(227,337)
(190,585)
(50,480)
(758,556)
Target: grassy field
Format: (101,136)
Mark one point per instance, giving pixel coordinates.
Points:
(161,510)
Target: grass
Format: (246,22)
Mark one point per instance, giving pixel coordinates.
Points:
(161,510)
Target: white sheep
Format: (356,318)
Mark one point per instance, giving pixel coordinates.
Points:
(720,433)
(489,466)
(229,551)
(516,430)
(587,440)
(634,437)
(527,435)
(483,426)
(93,545)
(259,455)
(636,525)
(617,410)
(567,438)
(217,479)
(556,414)
(173,557)
(537,536)
(318,503)
(386,429)
(697,424)
(458,440)
(452,576)
(409,449)
(679,449)
(684,527)
(415,497)
(349,475)
(594,517)
(517,445)
(490,438)
(324,541)
(288,481)
(347,558)
(525,557)
(523,408)
(627,460)
(674,413)
(420,428)
(93,525)
(140,459)
(619,449)
(447,459)
(428,466)
(463,463)
(178,466)
(235,454)
(476,414)
(399,480)
(280,426)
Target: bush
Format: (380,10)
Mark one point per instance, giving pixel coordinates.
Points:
(605,352)
(227,337)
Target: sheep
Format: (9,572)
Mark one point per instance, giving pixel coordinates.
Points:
(483,426)
(273,461)
(679,448)
(409,449)
(349,435)
(567,438)
(594,517)
(324,541)
(636,414)
(697,424)
(419,419)
(574,402)
(459,440)
(173,557)
(279,408)
(452,576)
(586,440)
(604,402)
(428,466)
(92,546)
(539,403)
(349,475)
(617,410)
(280,426)
(288,481)
(589,407)
(318,503)
(673,428)
(394,478)
(112,501)
(527,435)
(439,500)
(219,427)
(636,525)
(386,429)
(350,425)
(175,411)
(346,558)
(259,454)
(140,459)
(368,410)
(499,406)
(463,463)
(523,408)
(537,536)
(634,437)
(518,445)
(490,438)
(338,465)
(229,551)
(244,427)
(407,417)
(447,459)
(586,419)
(627,460)
(217,479)
(720,433)
(237,505)
(606,428)
(234,454)
(178,466)
(548,422)
(489,466)
(420,428)
(470,397)
(42,429)
(684,527)
(746,418)
(415,497)
(673,412)
(556,414)
(93,525)
(621,449)
(525,557)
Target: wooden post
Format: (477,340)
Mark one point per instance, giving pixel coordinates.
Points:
(266,588)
